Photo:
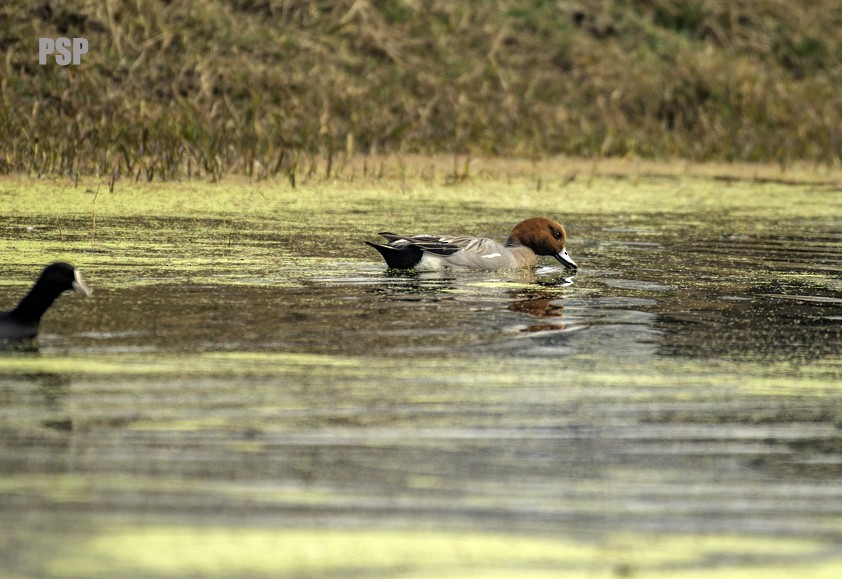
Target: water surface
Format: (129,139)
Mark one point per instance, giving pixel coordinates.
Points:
(250,392)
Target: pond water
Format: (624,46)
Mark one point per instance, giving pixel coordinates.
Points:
(251,393)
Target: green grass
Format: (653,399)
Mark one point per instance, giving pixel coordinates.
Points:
(262,87)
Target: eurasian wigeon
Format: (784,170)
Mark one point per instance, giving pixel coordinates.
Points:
(529,239)
(22,322)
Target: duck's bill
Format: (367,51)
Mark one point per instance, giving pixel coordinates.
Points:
(79,284)
(565,259)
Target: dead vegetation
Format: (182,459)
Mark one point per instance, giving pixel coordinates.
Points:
(175,89)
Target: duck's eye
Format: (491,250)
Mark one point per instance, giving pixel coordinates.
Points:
(556,233)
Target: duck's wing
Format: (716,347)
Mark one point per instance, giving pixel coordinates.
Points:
(436,244)
(464,252)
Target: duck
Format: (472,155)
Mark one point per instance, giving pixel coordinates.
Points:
(529,239)
(22,322)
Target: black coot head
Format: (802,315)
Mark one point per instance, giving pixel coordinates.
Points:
(63,277)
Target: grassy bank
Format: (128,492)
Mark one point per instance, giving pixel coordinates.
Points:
(172,89)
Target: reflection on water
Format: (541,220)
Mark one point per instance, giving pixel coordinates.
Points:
(684,381)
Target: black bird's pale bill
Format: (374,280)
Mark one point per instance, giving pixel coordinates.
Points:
(79,284)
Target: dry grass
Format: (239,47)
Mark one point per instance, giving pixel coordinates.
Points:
(175,89)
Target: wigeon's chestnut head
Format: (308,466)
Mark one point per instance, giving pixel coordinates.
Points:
(529,239)
(544,237)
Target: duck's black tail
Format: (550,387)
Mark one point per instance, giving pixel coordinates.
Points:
(401,257)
